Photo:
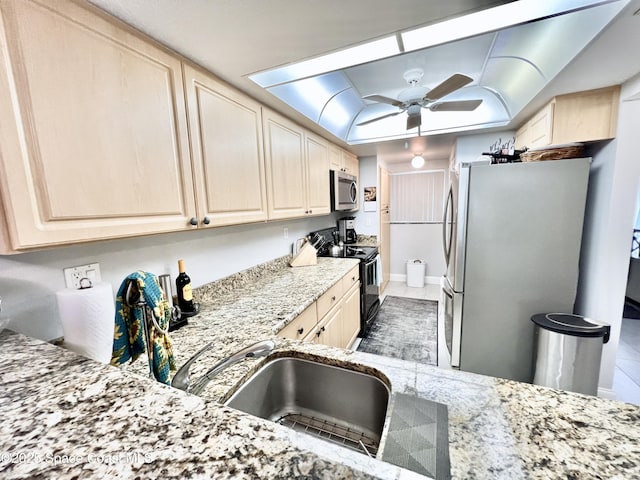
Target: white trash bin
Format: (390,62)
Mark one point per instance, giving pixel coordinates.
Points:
(416,270)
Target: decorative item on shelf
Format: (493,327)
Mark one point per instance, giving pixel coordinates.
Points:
(554,152)
(307,255)
(505,155)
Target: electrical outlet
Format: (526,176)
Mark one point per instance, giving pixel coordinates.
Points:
(286,233)
(73,275)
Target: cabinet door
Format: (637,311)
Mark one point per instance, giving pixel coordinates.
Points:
(330,329)
(350,312)
(226,145)
(317,171)
(93,141)
(302,326)
(284,156)
(586,116)
(350,163)
(335,157)
(537,131)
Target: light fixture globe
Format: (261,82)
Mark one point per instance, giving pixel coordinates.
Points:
(417,161)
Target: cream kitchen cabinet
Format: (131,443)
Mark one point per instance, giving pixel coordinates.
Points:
(576,117)
(297,166)
(226,147)
(329,329)
(343,161)
(537,132)
(303,326)
(94,141)
(350,312)
(586,116)
(333,319)
(341,325)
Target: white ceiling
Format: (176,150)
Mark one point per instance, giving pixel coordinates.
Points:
(235,38)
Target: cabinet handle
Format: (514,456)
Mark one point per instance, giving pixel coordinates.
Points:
(206,220)
(300,331)
(310,211)
(319,332)
(193,221)
(333,299)
(353,279)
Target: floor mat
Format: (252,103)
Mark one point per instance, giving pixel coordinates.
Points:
(418,438)
(405,328)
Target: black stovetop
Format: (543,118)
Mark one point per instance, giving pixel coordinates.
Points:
(348,251)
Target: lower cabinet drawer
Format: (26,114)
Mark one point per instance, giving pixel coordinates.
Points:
(302,325)
(351,278)
(329,299)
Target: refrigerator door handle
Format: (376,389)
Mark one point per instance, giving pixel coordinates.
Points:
(446,242)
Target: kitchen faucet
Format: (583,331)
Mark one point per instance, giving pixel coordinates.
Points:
(182,381)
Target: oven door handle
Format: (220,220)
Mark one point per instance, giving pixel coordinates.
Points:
(367,265)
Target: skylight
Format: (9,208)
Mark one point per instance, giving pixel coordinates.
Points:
(509,59)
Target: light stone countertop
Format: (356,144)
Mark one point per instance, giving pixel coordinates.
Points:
(58,403)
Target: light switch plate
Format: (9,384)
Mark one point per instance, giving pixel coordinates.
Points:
(74,275)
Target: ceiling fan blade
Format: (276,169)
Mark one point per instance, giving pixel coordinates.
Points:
(378,118)
(414,121)
(451,84)
(383,99)
(457,106)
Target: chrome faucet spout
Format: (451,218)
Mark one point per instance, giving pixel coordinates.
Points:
(182,381)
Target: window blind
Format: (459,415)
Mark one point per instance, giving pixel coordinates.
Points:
(417,197)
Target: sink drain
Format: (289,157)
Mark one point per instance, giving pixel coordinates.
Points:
(331,431)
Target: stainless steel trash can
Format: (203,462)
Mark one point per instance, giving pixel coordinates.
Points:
(569,349)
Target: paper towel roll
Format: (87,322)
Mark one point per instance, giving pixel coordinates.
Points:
(88,320)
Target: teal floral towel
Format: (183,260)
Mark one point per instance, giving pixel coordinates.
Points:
(129,340)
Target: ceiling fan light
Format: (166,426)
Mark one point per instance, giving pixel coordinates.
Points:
(417,161)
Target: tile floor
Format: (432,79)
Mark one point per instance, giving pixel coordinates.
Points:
(626,383)
(626,380)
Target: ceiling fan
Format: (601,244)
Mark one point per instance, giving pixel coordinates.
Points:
(416,97)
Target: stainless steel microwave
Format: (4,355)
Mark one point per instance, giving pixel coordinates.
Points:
(344,191)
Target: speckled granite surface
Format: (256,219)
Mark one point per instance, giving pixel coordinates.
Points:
(71,417)
(67,417)
(367,241)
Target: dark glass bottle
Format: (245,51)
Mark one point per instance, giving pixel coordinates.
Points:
(183,287)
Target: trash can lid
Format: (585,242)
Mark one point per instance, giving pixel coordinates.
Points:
(571,324)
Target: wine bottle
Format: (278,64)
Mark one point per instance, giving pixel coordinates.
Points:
(183,287)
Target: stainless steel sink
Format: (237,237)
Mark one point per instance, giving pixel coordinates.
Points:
(336,404)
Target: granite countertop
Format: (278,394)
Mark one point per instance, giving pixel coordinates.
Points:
(70,416)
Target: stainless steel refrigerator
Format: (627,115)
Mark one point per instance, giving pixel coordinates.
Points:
(511,236)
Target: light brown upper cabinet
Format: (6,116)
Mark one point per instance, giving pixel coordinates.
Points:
(317,178)
(576,117)
(350,163)
(93,143)
(343,161)
(226,145)
(297,166)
